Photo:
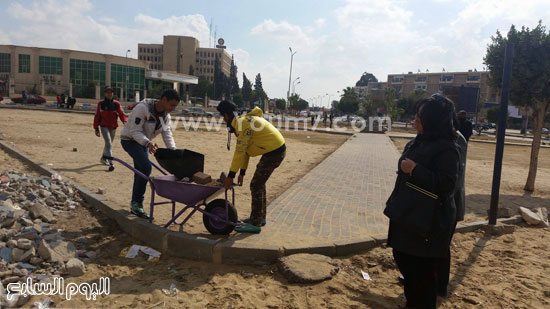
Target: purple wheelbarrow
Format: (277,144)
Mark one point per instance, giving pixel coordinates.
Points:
(219,216)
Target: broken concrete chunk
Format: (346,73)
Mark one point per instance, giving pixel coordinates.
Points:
(75,267)
(60,251)
(39,211)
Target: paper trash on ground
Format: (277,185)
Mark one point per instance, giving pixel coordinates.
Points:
(365,276)
(133,251)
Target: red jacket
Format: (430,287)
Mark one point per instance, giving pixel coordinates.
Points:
(107,117)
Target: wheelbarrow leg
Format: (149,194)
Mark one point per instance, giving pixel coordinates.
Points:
(173,208)
(152,208)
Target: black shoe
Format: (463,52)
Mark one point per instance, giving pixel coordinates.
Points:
(111,167)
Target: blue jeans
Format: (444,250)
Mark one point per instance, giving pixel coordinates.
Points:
(140,154)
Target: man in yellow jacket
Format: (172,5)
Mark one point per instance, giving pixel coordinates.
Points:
(255,136)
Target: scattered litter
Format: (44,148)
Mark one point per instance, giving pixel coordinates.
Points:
(49,164)
(365,276)
(308,136)
(55,176)
(172,292)
(75,149)
(101,191)
(45,304)
(133,251)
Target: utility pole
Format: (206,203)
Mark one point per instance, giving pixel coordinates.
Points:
(289,78)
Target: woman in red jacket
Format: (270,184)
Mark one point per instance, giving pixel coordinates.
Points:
(106,121)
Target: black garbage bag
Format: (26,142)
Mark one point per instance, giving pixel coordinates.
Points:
(180,162)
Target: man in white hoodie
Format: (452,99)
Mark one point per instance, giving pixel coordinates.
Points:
(147,120)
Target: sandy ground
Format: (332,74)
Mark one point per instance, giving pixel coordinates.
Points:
(515,167)
(508,271)
(50,138)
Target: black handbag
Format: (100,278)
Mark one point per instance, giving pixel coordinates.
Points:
(413,207)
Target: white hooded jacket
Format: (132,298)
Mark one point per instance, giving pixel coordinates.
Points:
(142,126)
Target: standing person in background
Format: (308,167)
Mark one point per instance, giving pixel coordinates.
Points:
(24,96)
(466,127)
(147,120)
(106,121)
(331,117)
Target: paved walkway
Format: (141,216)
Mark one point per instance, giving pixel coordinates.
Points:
(342,198)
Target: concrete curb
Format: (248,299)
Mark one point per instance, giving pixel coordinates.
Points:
(475,141)
(228,251)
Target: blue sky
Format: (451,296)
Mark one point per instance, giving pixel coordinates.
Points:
(336,41)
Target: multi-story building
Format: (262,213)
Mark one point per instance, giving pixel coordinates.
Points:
(183,54)
(405,84)
(80,74)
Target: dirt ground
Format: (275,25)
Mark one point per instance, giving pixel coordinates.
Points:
(508,271)
(49,137)
(515,167)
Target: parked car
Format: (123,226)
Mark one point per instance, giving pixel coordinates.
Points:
(302,114)
(31,99)
(196,111)
(545,131)
(1,98)
(131,106)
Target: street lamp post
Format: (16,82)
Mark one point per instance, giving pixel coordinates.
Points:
(126,83)
(289,76)
(294,86)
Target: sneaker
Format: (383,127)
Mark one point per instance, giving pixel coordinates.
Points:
(111,167)
(137,209)
(248,228)
(247,220)
(103,161)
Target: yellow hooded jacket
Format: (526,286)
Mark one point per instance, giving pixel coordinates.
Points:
(255,136)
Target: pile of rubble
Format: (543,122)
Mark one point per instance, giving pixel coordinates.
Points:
(29,243)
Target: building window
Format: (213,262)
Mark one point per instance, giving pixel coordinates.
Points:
(85,76)
(5,63)
(135,82)
(473,78)
(423,87)
(421,79)
(24,63)
(446,78)
(50,65)
(141,50)
(397,79)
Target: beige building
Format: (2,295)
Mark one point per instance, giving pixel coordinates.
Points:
(183,54)
(405,84)
(80,74)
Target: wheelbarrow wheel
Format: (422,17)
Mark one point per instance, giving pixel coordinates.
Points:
(214,225)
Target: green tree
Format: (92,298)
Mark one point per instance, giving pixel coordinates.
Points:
(219,80)
(391,103)
(297,103)
(203,88)
(529,86)
(365,79)
(408,103)
(349,101)
(238,99)
(258,83)
(247,89)
(280,104)
(234,82)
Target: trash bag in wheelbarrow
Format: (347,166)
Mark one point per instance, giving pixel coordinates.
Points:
(180,162)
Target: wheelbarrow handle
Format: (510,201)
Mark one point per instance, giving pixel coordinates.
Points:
(140,174)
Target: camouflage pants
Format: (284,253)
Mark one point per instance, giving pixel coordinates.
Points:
(264,169)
